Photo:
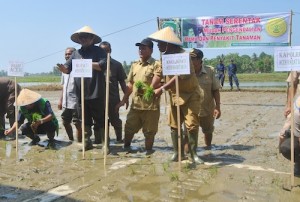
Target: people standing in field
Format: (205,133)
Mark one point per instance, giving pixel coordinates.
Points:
(221,70)
(40,117)
(285,133)
(117,76)
(189,96)
(94,87)
(232,70)
(68,101)
(145,75)
(7,100)
(209,86)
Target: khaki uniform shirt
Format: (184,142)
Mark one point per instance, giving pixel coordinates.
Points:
(208,83)
(144,72)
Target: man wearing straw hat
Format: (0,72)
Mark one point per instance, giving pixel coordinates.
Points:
(41,119)
(94,87)
(144,76)
(7,100)
(189,95)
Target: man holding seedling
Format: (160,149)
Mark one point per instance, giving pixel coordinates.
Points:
(145,75)
(41,119)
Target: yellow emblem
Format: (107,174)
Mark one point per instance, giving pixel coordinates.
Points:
(276,27)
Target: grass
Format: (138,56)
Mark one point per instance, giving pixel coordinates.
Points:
(33,79)
(263,77)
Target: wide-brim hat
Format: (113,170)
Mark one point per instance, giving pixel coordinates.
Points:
(166,35)
(88,30)
(27,97)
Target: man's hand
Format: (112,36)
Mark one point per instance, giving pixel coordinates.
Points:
(62,68)
(59,105)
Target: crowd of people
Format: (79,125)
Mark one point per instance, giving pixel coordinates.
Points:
(198,99)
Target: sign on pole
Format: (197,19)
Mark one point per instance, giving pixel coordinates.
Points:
(82,68)
(15,68)
(287,58)
(176,64)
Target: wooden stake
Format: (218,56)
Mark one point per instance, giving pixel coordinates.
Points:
(106,106)
(178,122)
(82,118)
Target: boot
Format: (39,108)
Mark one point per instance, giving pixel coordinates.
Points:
(297,169)
(78,132)
(103,141)
(174,137)
(118,132)
(208,139)
(51,142)
(193,143)
(35,139)
(149,140)
(88,141)
(69,130)
(127,141)
(99,134)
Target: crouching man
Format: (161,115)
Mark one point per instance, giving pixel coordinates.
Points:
(41,119)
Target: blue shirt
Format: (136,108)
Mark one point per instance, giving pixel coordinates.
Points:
(232,69)
(221,68)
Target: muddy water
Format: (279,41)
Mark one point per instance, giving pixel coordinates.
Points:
(242,165)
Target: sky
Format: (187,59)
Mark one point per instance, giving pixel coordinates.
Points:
(37,32)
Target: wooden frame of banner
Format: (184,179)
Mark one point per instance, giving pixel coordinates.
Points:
(106,107)
(82,118)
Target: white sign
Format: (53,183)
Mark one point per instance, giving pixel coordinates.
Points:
(15,68)
(176,64)
(287,58)
(82,68)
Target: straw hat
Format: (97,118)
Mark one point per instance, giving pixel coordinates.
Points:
(88,30)
(27,97)
(166,35)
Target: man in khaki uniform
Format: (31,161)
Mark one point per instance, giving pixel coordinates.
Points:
(209,87)
(144,113)
(189,95)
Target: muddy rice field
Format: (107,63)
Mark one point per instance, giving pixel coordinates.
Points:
(243,164)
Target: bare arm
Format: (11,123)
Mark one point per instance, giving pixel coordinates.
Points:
(217,110)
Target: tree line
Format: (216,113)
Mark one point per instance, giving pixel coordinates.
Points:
(263,63)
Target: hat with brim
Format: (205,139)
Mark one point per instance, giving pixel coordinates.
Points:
(27,97)
(166,35)
(87,30)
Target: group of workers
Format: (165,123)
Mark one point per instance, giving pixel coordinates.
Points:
(198,98)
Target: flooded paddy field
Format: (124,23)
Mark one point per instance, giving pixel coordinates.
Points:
(242,165)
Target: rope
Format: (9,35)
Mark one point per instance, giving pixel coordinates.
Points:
(121,30)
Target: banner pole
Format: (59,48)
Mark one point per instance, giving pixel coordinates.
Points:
(82,118)
(16,119)
(292,113)
(106,107)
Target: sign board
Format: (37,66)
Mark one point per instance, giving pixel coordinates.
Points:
(243,30)
(15,68)
(176,64)
(287,58)
(82,68)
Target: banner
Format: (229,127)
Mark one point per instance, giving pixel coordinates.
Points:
(270,29)
(287,58)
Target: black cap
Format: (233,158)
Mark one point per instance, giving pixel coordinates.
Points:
(196,53)
(145,42)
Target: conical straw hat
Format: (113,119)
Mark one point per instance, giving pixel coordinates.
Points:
(85,29)
(166,35)
(27,97)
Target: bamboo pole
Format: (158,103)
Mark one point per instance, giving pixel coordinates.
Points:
(106,107)
(292,114)
(178,122)
(82,118)
(16,119)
